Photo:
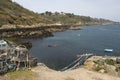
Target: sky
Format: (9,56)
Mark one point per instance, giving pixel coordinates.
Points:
(108,9)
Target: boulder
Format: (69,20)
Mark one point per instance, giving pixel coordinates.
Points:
(110,69)
(118,60)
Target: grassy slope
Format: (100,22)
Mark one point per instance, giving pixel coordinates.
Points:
(13,13)
(20,75)
(70,18)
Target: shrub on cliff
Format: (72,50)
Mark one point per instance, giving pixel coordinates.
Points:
(13,13)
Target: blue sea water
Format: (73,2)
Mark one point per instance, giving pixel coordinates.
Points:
(59,51)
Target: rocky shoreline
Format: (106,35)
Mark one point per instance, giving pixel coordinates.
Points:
(38,30)
(104,64)
(35,32)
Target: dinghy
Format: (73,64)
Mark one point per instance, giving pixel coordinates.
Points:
(108,50)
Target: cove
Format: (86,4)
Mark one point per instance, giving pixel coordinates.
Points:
(61,49)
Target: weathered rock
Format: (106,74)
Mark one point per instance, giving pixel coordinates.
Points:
(118,60)
(111,69)
(102,71)
(89,64)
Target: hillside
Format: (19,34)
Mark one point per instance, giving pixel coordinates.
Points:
(72,19)
(13,13)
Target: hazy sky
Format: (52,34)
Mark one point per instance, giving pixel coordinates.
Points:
(108,9)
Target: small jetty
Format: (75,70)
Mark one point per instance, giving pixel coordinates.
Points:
(78,62)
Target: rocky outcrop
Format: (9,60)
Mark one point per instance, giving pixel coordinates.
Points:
(104,64)
(118,60)
(27,34)
(22,31)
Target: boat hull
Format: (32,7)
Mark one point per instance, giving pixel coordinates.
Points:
(108,50)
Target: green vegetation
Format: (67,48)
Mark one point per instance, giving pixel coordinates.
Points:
(12,39)
(70,18)
(99,65)
(13,13)
(98,68)
(21,75)
(110,62)
(104,65)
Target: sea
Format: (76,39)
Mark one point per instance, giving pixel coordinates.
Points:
(63,48)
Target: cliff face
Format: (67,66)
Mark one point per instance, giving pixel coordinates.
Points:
(12,13)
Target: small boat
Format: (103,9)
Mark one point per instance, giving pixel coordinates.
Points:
(108,50)
(50,46)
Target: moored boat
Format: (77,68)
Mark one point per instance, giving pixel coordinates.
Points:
(108,50)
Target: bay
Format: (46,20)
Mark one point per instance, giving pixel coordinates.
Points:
(59,51)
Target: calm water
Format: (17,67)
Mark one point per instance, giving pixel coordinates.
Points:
(66,45)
